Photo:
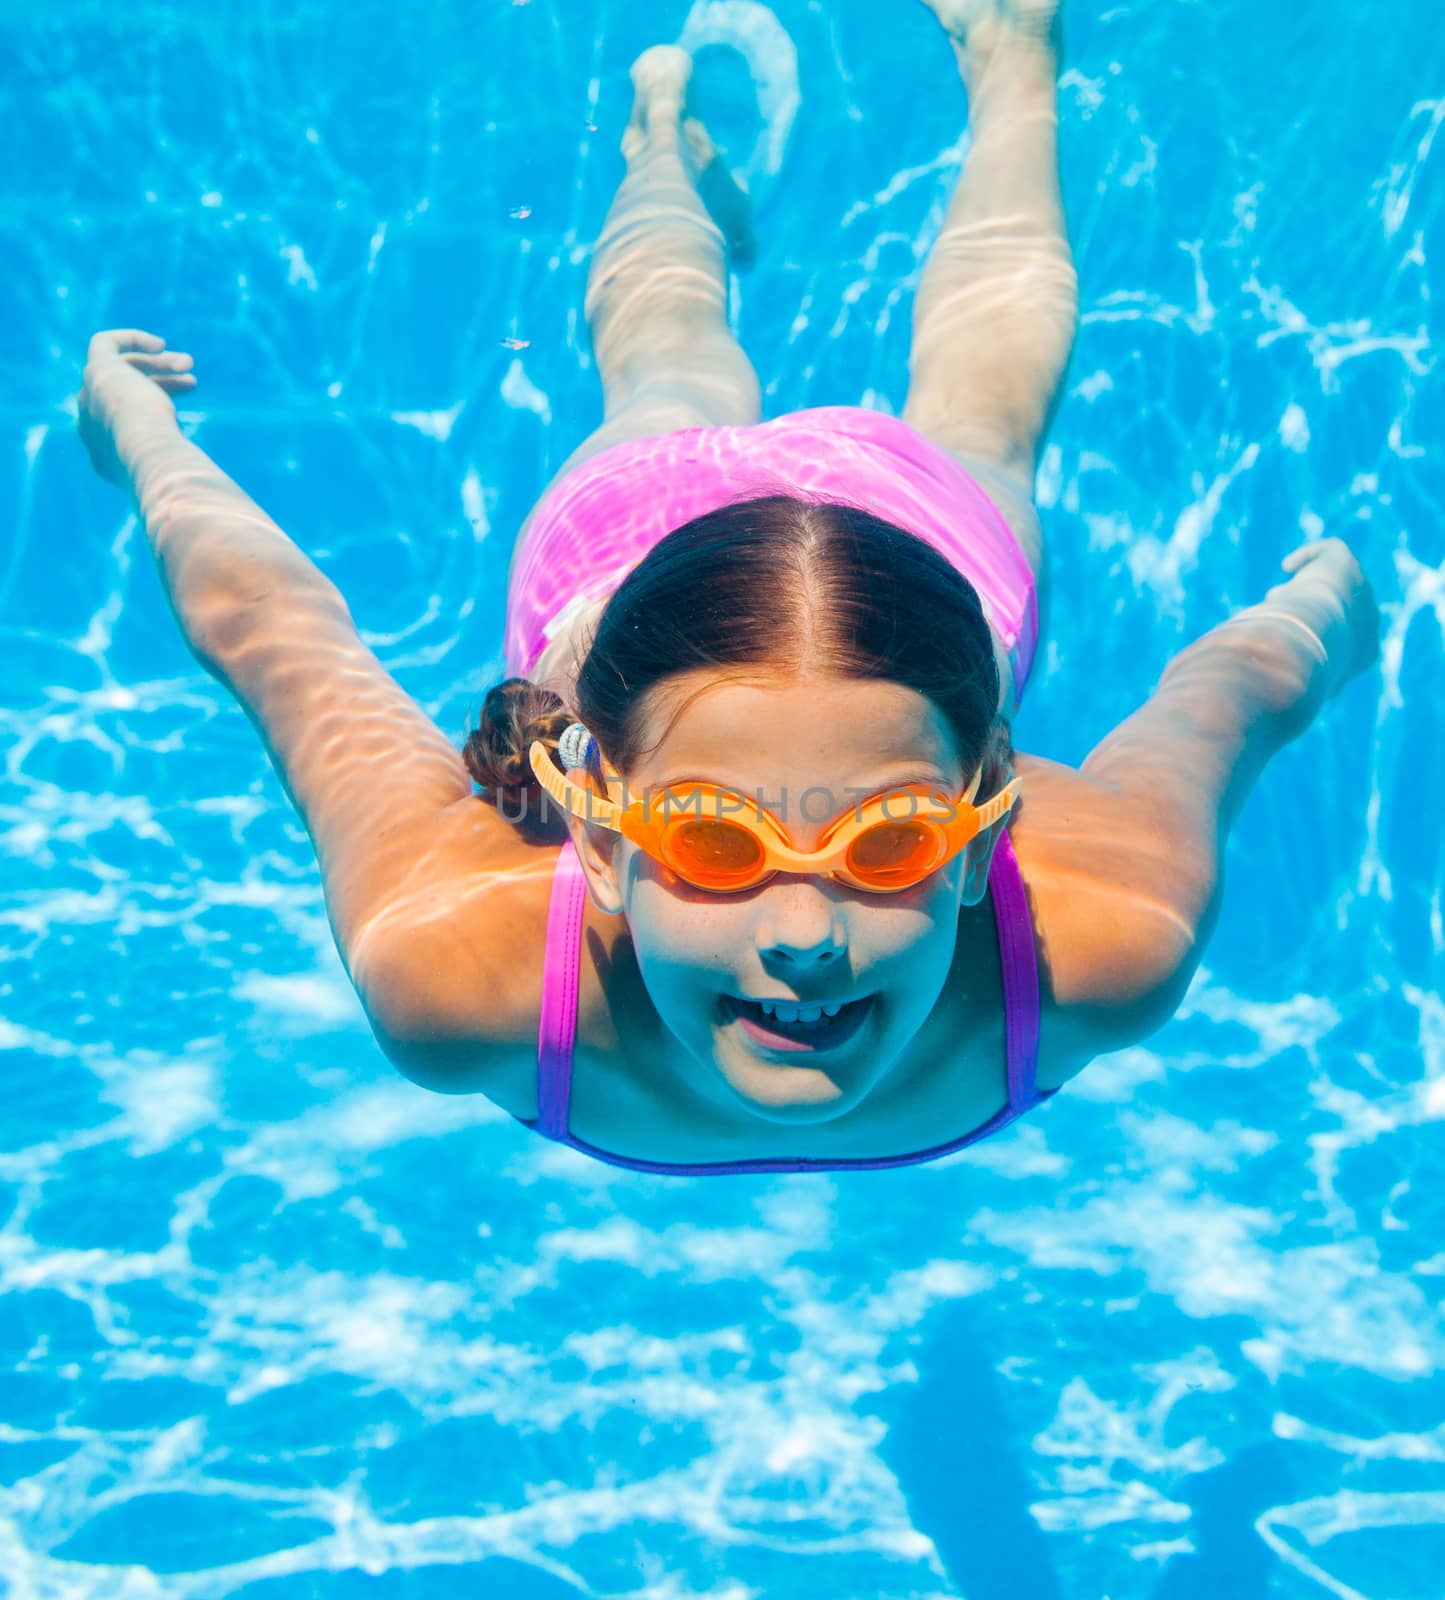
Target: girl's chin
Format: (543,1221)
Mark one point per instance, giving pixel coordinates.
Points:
(805,1092)
(790,1105)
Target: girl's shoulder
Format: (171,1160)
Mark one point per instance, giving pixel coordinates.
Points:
(1114,953)
(453,990)
(452,983)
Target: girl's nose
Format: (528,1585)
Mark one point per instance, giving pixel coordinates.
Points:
(802,925)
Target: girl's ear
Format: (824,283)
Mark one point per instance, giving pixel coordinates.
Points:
(596,848)
(978,859)
(597,851)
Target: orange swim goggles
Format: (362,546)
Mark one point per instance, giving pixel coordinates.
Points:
(720,840)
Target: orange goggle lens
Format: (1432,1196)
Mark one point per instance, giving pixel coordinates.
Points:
(720,854)
(896,854)
(713,854)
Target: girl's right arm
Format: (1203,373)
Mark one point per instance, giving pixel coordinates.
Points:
(372,777)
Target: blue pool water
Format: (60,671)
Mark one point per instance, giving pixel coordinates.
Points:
(278,1324)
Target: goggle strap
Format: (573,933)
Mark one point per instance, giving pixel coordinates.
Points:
(1001,804)
(596,808)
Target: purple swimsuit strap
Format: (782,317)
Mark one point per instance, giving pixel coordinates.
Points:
(1019,962)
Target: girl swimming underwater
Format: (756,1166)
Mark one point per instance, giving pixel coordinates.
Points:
(755,880)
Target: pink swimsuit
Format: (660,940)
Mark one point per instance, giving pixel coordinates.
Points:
(590,529)
(593,526)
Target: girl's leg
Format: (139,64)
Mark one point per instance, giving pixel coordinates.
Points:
(997,304)
(657,287)
(657,298)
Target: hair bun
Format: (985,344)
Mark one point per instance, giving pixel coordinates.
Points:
(514,714)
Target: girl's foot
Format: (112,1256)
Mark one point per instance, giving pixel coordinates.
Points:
(978,27)
(723,192)
(659,87)
(661,114)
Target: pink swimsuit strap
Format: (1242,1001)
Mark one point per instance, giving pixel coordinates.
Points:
(557,1031)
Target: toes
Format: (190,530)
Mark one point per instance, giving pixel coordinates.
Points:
(664,69)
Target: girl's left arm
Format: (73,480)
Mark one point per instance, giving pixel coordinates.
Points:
(366,768)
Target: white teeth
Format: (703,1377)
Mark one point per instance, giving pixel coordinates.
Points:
(789,1011)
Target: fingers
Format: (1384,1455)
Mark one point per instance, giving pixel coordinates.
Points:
(168,368)
(167,361)
(137,339)
(1315,550)
(1303,553)
(116,341)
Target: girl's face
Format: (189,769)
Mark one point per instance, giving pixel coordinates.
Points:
(795,938)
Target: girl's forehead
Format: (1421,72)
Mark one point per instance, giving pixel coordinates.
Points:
(749,728)
(692,700)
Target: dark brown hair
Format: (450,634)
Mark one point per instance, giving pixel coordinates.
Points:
(787,585)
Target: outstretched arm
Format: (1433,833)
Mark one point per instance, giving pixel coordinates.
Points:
(366,768)
(212,543)
(1248,687)
(1185,762)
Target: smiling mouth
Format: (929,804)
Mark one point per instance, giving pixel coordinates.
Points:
(772,1033)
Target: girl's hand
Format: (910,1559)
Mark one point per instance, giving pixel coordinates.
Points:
(129,379)
(1332,595)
